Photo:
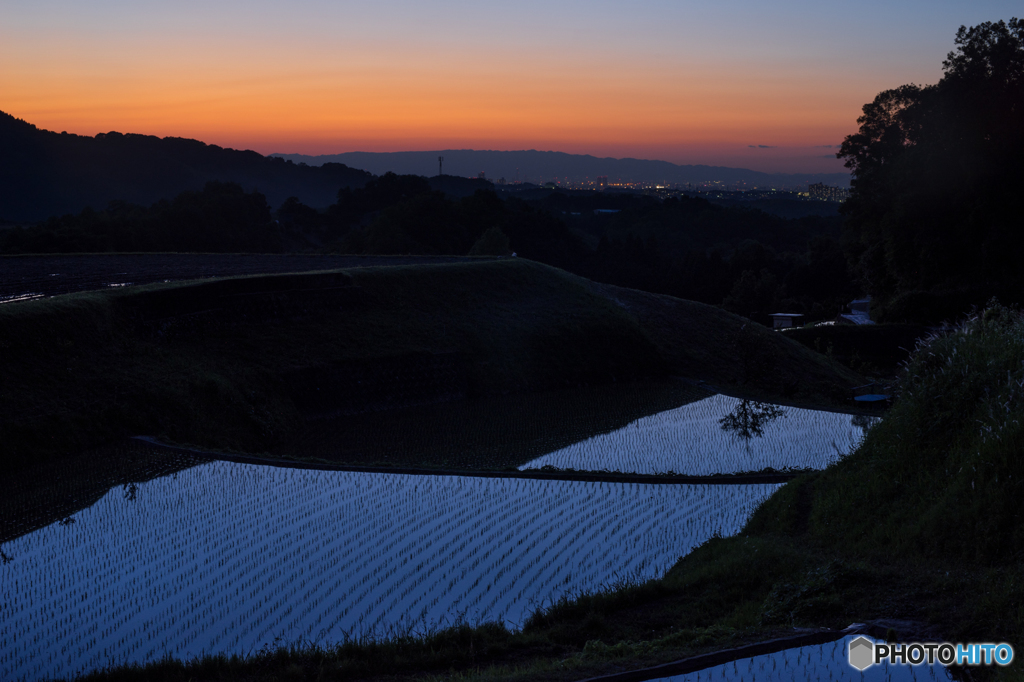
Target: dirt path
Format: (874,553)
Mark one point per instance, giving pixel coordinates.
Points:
(542,474)
(23,277)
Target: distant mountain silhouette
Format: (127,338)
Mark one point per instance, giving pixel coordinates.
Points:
(43,173)
(537,166)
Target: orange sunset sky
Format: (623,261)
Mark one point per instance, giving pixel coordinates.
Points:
(771,87)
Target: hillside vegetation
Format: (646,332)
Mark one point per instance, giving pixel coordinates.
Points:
(923,521)
(233,363)
(944,466)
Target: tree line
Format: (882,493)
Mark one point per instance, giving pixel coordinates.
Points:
(749,261)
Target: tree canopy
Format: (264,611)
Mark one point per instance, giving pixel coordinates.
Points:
(933,220)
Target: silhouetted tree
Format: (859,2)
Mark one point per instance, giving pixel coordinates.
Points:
(493,242)
(933,218)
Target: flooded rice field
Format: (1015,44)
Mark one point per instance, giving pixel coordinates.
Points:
(133,553)
(716,435)
(656,427)
(818,662)
(225,557)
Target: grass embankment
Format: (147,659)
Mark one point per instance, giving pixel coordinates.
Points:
(922,523)
(499,432)
(745,358)
(231,364)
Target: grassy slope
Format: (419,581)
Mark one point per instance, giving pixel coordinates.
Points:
(81,369)
(922,523)
(706,343)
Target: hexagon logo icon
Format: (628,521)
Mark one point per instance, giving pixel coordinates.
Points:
(862,653)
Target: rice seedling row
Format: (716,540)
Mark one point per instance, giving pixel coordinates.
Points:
(227,557)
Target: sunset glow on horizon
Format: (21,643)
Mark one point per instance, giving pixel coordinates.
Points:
(768,88)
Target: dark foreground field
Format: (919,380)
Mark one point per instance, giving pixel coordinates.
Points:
(239,364)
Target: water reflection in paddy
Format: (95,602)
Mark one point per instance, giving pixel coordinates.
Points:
(225,557)
(819,662)
(718,434)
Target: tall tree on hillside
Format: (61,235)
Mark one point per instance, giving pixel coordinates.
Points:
(933,220)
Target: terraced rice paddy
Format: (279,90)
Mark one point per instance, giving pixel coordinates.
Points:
(818,662)
(135,553)
(716,435)
(225,557)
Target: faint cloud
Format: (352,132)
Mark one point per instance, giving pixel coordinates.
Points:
(762,146)
(826,146)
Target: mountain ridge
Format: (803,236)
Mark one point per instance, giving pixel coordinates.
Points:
(46,173)
(539,166)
